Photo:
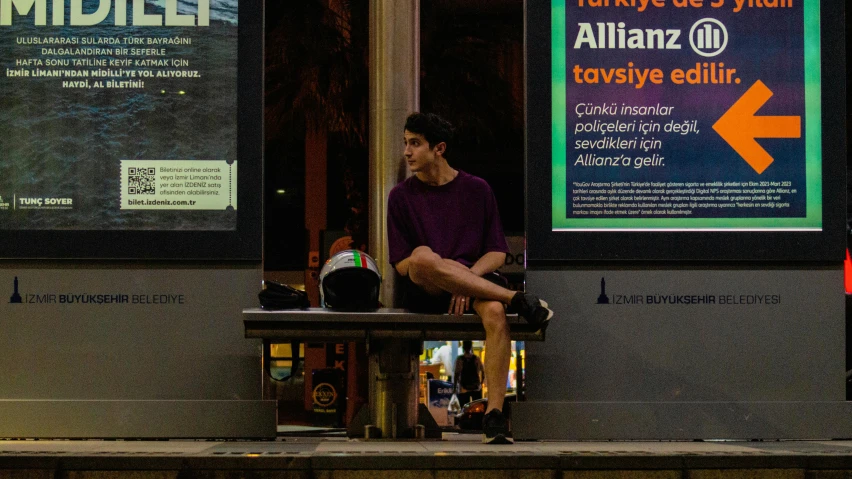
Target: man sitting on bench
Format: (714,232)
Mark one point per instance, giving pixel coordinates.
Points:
(446,240)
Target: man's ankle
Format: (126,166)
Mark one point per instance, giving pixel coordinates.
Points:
(512,295)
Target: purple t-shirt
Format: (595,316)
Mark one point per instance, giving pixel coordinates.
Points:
(458,220)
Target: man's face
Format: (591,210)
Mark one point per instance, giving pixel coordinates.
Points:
(418,152)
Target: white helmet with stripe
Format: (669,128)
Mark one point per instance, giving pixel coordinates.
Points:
(350,281)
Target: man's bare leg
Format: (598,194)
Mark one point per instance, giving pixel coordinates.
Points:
(434,274)
(493,315)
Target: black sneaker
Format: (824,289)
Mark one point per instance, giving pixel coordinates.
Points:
(495,429)
(529,307)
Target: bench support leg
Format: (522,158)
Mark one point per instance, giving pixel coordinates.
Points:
(393,383)
(394,410)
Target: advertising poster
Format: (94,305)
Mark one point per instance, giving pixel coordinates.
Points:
(118,115)
(695,115)
(439,394)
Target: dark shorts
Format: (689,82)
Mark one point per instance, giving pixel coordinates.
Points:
(419,301)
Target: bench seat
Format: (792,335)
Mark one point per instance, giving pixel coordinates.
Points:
(321,324)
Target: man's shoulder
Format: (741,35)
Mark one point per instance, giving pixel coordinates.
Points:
(402,188)
(472,179)
(474,182)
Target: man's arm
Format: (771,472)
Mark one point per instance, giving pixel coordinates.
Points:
(489,262)
(399,242)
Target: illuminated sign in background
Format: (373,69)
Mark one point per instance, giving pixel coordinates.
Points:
(118,115)
(686,115)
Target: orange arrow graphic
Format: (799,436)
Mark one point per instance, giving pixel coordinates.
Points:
(739,127)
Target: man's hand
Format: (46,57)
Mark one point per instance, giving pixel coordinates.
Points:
(459,304)
(402,267)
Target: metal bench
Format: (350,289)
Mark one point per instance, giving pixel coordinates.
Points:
(394,339)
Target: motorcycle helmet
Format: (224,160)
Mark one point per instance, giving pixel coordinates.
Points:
(350,281)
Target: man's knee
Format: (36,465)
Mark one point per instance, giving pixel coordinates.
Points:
(493,314)
(423,261)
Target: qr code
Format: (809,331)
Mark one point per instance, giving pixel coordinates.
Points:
(140,181)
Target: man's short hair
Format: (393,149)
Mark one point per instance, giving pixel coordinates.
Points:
(467,345)
(433,128)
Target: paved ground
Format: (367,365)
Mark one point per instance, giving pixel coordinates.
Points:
(454,451)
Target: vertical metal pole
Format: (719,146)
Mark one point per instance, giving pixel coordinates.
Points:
(394,93)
